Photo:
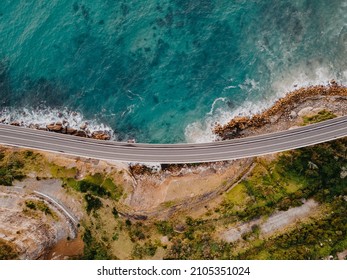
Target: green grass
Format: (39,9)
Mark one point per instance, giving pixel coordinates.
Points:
(115,190)
(96,184)
(292,187)
(269,187)
(40,206)
(168,204)
(319,117)
(314,240)
(11,168)
(280,184)
(237,195)
(63,172)
(96,178)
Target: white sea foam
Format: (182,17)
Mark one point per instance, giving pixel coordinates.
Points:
(249,85)
(229,87)
(304,77)
(202,132)
(300,76)
(42,117)
(214,103)
(129,110)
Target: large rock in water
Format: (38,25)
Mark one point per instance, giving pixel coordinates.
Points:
(56,127)
(101,135)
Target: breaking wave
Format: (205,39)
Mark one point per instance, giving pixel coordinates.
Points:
(42,117)
(202,131)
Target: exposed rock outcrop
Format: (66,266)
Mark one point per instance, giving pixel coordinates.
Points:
(15,123)
(81,133)
(63,127)
(56,127)
(33,232)
(70,130)
(283,106)
(101,135)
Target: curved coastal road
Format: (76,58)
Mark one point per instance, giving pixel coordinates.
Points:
(175,153)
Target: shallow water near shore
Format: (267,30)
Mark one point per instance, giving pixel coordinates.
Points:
(164,71)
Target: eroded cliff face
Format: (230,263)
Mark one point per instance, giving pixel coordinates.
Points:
(31,224)
(40,213)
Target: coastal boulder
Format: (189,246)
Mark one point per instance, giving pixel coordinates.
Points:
(15,123)
(56,127)
(34,126)
(84,126)
(101,135)
(70,130)
(333,83)
(293,115)
(80,133)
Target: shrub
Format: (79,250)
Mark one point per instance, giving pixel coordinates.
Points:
(94,250)
(164,227)
(115,213)
(93,203)
(7,250)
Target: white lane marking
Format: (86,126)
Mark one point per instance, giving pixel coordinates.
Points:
(250,139)
(111,149)
(198,155)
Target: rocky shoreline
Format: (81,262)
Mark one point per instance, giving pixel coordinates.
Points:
(152,193)
(64,128)
(233,129)
(283,107)
(171,192)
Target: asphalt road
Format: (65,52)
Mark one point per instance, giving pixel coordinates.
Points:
(175,153)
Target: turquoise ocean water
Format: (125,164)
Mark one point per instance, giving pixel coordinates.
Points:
(163,71)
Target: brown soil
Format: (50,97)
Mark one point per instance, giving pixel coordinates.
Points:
(32,231)
(183,189)
(177,189)
(66,249)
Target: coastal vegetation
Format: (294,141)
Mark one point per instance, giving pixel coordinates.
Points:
(311,172)
(318,239)
(274,184)
(110,230)
(94,249)
(11,168)
(281,107)
(323,115)
(39,206)
(97,184)
(7,250)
